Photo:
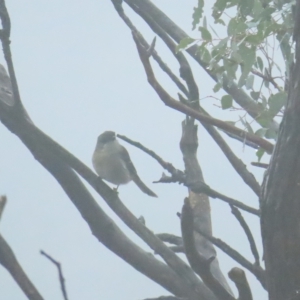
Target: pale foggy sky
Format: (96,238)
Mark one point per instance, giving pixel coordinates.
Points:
(79,74)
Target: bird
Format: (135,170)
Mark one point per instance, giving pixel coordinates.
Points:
(112,163)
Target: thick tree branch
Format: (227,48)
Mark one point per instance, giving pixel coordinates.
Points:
(238,276)
(198,262)
(50,154)
(235,255)
(199,202)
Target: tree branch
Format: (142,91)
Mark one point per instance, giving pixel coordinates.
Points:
(176,33)
(187,75)
(238,276)
(248,233)
(255,270)
(171,102)
(60,274)
(198,262)
(9,261)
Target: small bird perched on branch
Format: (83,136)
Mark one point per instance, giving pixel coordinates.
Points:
(112,162)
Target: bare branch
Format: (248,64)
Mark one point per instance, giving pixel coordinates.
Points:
(248,233)
(3,201)
(170,238)
(177,175)
(166,298)
(5,39)
(161,63)
(11,264)
(60,274)
(261,165)
(198,262)
(202,187)
(238,276)
(267,78)
(254,269)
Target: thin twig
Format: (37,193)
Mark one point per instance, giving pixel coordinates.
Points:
(161,63)
(3,201)
(170,238)
(201,187)
(185,69)
(177,175)
(267,78)
(260,165)
(247,231)
(60,273)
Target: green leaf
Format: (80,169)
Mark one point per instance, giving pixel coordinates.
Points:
(248,57)
(184,43)
(236,26)
(261,132)
(197,15)
(217,87)
(259,153)
(260,63)
(230,67)
(226,102)
(276,103)
(205,34)
(271,134)
(219,8)
(257,9)
(204,53)
(249,82)
(264,119)
(245,7)
(255,95)
(220,21)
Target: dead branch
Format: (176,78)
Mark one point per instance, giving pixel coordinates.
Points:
(9,261)
(198,262)
(238,276)
(60,274)
(247,231)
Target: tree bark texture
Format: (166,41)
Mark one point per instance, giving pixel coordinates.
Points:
(280,200)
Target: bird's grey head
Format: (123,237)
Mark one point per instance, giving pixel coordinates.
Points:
(107,136)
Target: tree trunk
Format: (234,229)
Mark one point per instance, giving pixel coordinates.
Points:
(280,200)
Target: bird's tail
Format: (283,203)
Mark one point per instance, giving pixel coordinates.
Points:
(137,180)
